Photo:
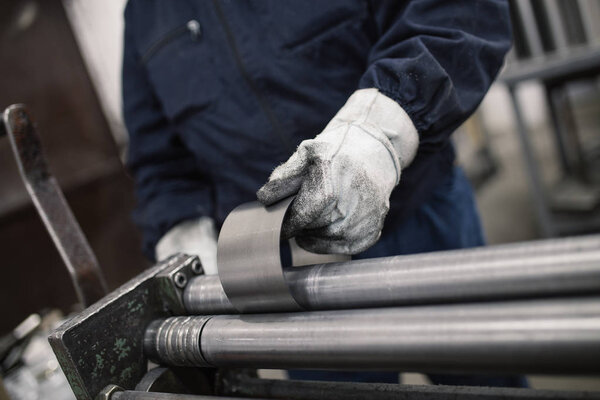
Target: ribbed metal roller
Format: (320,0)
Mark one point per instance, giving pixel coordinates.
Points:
(541,336)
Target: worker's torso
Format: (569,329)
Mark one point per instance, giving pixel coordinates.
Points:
(243,83)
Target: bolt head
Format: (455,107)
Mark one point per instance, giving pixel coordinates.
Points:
(197,267)
(108,391)
(180,280)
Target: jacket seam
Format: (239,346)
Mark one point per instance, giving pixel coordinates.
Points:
(246,76)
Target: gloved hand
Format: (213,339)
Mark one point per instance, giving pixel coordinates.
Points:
(193,237)
(345,175)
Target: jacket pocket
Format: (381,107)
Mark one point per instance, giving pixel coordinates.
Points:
(192,28)
(181,70)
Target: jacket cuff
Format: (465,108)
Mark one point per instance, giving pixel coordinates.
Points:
(371,107)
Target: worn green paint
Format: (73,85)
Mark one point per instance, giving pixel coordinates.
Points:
(121,348)
(134,306)
(99,366)
(126,374)
(75,381)
(103,344)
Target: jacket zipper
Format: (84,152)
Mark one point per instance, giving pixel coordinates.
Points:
(192,26)
(238,60)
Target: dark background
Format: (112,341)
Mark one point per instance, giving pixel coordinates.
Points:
(42,67)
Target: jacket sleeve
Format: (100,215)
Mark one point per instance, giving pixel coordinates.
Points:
(169,187)
(437,59)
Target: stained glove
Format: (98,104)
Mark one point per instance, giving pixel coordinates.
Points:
(194,237)
(345,175)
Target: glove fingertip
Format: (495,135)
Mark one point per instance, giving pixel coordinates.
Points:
(268,193)
(278,189)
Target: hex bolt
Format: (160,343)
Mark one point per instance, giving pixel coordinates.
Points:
(107,392)
(180,280)
(197,267)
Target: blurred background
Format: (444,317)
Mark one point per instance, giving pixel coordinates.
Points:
(532,150)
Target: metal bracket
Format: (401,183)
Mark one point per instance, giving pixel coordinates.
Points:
(172,281)
(104,344)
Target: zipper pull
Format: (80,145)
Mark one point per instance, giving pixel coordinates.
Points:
(194,27)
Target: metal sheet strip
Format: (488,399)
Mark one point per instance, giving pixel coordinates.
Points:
(248,258)
(249,262)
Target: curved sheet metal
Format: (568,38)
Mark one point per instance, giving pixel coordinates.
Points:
(248,258)
(249,261)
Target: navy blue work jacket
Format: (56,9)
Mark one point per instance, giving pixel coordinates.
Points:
(217,93)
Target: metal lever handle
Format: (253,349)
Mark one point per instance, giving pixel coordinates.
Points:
(52,206)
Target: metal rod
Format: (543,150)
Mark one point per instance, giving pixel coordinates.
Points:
(52,207)
(590,14)
(530,27)
(541,336)
(135,395)
(535,179)
(536,269)
(557,25)
(302,390)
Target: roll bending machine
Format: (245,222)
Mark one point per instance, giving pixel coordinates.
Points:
(521,308)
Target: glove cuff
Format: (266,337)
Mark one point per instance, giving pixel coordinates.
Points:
(193,237)
(370,107)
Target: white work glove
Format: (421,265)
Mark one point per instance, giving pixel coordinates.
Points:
(194,237)
(344,177)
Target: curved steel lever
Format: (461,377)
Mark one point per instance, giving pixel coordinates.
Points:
(52,206)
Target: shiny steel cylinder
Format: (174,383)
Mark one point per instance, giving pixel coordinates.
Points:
(133,395)
(541,336)
(175,341)
(524,270)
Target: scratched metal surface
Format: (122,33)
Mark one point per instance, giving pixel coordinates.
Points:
(104,343)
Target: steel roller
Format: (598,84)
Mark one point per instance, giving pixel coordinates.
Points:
(525,270)
(541,336)
(133,395)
